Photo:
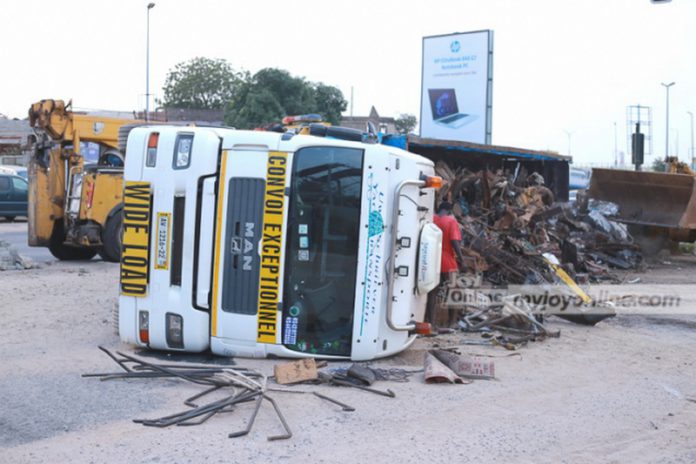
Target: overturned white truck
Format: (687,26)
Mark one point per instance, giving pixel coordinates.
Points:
(259,243)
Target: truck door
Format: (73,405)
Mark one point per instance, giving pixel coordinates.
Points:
(247,283)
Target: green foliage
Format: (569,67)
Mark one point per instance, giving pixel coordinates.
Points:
(405,123)
(270,94)
(659,165)
(249,101)
(329,102)
(201,83)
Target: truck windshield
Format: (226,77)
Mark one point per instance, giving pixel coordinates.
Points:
(322,249)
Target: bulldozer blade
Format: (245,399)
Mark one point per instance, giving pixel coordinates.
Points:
(648,198)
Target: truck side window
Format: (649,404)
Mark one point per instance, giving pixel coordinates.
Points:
(4,184)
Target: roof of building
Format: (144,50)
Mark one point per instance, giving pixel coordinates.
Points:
(214,117)
(469,147)
(373,116)
(14,131)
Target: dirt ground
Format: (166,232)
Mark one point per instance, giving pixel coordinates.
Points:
(622,391)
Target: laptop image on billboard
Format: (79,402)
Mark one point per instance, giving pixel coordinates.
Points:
(443,103)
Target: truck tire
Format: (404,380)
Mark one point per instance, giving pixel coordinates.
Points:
(111,239)
(67,253)
(10,218)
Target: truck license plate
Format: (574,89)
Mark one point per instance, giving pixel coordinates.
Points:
(163,225)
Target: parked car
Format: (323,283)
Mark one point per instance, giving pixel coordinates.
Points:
(20,171)
(13,196)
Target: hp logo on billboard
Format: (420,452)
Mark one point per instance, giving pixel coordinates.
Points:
(455,46)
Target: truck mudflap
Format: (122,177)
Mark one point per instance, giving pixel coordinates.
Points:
(648,198)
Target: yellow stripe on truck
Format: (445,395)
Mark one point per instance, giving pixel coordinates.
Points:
(137,199)
(219,221)
(271,247)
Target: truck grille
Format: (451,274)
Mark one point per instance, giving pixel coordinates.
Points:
(240,254)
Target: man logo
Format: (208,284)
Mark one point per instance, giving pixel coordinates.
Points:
(246,265)
(236,245)
(243,246)
(455,46)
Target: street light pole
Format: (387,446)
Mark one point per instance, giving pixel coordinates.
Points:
(569,134)
(147,64)
(693,153)
(616,148)
(667,86)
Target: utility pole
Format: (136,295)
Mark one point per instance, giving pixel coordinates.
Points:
(569,134)
(147,64)
(693,153)
(667,86)
(616,149)
(351,101)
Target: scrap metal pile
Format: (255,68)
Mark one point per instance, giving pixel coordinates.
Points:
(234,386)
(510,224)
(519,241)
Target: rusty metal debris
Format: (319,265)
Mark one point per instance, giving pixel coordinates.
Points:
(436,372)
(235,386)
(508,324)
(509,220)
(447,366)
(343,406)
(239,385)
(515,234)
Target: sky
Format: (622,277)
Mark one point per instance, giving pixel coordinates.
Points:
(565,71)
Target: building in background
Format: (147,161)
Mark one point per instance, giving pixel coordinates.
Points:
(15,137)
(384,125)
(201,116)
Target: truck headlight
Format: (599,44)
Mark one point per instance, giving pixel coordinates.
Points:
(175,330)
(182,151)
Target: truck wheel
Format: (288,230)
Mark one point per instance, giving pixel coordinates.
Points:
(67,253)
(111,239)
(10,218)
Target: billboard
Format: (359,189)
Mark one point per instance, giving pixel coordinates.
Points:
(456,87)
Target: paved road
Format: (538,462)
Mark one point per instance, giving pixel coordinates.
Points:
(16,234)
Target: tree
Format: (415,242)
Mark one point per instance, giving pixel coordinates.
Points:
(272,93)
(659,165)
(259,108)
(201,83)
(329,102)
(405,123)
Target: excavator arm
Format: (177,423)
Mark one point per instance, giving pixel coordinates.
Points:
(72,200)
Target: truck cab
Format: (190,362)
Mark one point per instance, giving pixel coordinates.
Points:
(260,244)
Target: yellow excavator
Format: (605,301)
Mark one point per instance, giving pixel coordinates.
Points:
(76,182)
